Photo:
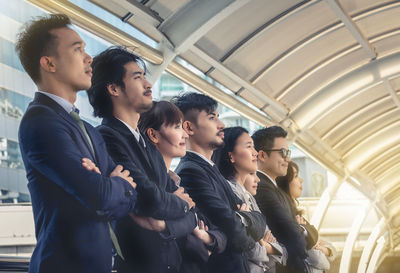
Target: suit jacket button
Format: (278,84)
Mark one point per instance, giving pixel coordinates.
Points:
(129,193)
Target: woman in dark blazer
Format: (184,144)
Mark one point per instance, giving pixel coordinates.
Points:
(163,126)
(320,252)
(237,160)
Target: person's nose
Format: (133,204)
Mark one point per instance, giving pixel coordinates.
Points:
(184,134)
(147,84)
(89,58)
(221,125)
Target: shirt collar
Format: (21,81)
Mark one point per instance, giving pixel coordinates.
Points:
(66,105)
(273,181)
(135,133)
(203,157)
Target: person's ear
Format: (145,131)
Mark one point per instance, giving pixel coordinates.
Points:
(262,156)
(153,135)
(231,157)
(113,89)
(188,127)
(47,64)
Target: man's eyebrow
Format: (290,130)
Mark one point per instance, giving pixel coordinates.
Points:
(212,114)
(77,43)
(137,73)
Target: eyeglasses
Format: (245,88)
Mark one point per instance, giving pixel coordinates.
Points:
(284,152)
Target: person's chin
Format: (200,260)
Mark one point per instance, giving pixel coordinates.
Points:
(84,86)
(218,144)
(146,107)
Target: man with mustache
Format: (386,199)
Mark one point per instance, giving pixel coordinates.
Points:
(206,185)
(273,159)
(120,92)
(72,205)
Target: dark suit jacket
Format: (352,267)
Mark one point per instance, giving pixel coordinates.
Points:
(195,252)
(276,208)
(216,200)
(144,250)
(71,205)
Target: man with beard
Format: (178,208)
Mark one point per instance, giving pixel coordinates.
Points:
(119,94)
(206,185)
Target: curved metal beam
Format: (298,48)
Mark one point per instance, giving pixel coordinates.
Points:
(191,22)
(378,229)
(352,27)
(383,116)
(375,256)
(384,166)
(207,88)
(351,239)
(361,78)
(294,9)
(326,62)
(276,110)
(324,203)
(100,28)
(378,157)
(372,135)
(357,112)
(259,31)
(320,33)
(392,92)
(362,154)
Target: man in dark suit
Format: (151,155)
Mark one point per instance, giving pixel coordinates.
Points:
(72,205)
(206,185)
(273,159)
(119,93)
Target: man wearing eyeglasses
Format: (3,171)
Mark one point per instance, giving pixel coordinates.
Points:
(273,159)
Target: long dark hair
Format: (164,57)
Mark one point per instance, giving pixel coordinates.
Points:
(284,182)
(221,155)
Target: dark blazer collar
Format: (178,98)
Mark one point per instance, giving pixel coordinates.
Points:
(222,181)
(121,128)
(196,158)
(116,124)
(49,102)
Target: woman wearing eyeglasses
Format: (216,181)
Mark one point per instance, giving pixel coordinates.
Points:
(236,160)
(163,125)
(320,252)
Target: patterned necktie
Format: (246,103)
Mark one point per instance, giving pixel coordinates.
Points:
(75,115)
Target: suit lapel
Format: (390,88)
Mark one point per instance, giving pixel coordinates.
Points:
(141,153)
(220,180)
(45,100)
(266,181)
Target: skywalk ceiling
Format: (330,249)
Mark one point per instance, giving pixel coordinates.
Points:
(328,71)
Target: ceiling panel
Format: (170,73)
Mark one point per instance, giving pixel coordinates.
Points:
(280,37)
(231,31)
(356,6)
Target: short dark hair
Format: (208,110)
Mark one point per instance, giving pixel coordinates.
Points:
(161,113)
(191,104)
(108,68)
(264,138)
(35,41)
(221,155)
